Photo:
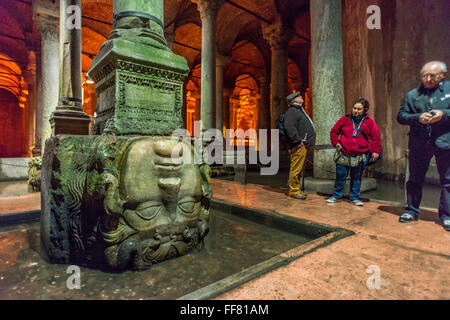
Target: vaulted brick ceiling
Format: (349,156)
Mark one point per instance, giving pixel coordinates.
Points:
(239,32)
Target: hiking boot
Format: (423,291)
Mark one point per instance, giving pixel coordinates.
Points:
(300,195)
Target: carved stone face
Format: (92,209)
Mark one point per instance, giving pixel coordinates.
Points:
(158,188)
(160,195)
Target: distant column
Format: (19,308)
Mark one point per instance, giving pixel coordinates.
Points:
(208,13)
(227,93)
(221,62)
(277,35)
(264,111)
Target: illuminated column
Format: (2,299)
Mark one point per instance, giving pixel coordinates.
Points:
(227,93)
(46,17)
(30,79)
(38,108)
(221,62)
(327,79)
(69,117)
(277,35)
(208,13)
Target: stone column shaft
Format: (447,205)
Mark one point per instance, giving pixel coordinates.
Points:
(221,62)
(69,117)
(227,93)
(327,79)
(278,36)
(38,108)
(30,79)
(208,12)
(264,111)
(47,19)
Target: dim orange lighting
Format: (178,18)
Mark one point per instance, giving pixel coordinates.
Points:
(22,105)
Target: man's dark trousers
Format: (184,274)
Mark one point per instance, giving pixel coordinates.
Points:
(421,152)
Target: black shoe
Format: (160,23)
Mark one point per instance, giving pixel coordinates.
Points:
(446,222)
(408,217)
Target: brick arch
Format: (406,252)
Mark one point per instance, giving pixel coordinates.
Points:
(189,34)
(249,54)
(12,126)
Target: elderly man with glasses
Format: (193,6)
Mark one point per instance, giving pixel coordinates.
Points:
(426,110)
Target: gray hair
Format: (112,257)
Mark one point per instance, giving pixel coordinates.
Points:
(442,66)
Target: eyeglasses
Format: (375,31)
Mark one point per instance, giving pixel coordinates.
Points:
(431,75)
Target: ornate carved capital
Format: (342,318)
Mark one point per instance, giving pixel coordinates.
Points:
(208,8)
(277,35)
(46,17)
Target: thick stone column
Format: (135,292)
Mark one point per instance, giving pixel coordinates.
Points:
(221,62)
(327,79)
(46,16)
(69,117)
(277,35)
(208,12)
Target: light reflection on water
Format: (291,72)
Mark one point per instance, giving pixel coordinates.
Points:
(232,245)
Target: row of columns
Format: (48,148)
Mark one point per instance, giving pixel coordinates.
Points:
(56,96)
(326,69)
(213,63)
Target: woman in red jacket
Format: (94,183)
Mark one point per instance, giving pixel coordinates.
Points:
(357,141)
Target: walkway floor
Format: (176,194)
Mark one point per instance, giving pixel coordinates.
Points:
(413,259)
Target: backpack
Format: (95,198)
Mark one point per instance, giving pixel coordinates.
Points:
(281,128)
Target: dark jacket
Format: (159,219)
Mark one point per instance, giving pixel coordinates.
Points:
(299,126)
(342,132)
(416,102)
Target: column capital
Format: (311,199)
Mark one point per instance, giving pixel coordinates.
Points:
(46,18)
(222,61)
(208,8)
(277,34)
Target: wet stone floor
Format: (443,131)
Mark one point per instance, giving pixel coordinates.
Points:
(232,245)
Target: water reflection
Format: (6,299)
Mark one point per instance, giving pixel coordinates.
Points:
(233,244)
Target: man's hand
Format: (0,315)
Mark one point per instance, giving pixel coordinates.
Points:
(437,116)
(374,157)
(425,117)
(338,147)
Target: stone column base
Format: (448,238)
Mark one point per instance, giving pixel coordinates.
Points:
(70,122)
(327,186)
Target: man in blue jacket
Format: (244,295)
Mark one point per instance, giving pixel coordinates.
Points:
(427,111)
